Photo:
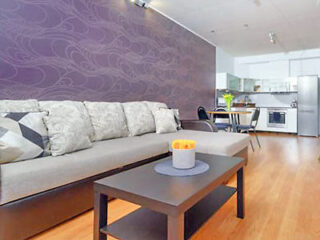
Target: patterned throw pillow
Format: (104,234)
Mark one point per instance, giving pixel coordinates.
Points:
(69,126)
(165,121)
(108,120)
(139,118)
(22,136)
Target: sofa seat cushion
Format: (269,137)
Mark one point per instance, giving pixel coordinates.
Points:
(219,143)
(21,179)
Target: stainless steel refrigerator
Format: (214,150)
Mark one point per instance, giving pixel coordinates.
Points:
(308,106)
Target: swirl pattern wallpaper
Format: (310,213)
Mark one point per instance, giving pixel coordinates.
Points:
(102,50)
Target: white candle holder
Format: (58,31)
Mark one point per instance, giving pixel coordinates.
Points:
(183,158)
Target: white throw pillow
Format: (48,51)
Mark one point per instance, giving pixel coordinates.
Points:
(30,105)
(139,118)
(165,121)
(108,120)
(69,126)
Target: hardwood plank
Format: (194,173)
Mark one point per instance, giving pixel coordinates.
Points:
(282,198)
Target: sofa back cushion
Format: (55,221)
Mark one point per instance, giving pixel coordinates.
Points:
(30,105)
(69,126)
(108,120)
(23,136)
(154,106)
(139,118)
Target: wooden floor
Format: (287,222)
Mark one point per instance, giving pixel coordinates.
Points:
(282,198)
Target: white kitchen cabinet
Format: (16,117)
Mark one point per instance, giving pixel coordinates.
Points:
(292,120)
(227,81)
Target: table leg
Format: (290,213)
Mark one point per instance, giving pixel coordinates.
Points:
(238,123)
(234,123)
(240,193)
(100,215)
(176,227)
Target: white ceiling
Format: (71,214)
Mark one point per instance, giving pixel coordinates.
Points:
(295,22)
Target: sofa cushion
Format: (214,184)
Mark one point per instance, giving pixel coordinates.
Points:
(30,105)
(139,118)
(69,126)
(22,136)
(165,121)
(219,143)
(25,178)
(108,120)
(155,105)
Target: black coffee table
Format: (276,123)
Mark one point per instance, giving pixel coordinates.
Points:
(173,208)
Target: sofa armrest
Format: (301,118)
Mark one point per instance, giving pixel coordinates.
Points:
(199,125)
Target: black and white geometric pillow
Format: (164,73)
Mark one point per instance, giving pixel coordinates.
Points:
(23,136)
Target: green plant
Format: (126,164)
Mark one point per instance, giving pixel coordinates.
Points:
(228,97)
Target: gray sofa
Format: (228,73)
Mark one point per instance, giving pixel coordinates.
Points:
(40,193)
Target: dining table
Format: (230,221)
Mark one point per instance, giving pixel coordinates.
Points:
(234,116)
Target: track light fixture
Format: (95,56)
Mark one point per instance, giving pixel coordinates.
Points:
(272,37)
(141,3)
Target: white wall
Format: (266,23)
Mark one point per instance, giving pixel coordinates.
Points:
(224,62)
(279,65)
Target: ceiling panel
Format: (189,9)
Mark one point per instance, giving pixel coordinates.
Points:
(295,22)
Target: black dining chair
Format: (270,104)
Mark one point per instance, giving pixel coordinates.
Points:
(222,125)
(202,113)
(252,126)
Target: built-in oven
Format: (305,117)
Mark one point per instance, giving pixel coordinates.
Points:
(277,118)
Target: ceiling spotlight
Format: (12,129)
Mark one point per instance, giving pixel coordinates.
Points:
(141,3)
(272,37)
(212,31)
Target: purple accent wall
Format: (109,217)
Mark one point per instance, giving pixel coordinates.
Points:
(101,50)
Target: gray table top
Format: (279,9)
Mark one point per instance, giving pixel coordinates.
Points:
(166,194)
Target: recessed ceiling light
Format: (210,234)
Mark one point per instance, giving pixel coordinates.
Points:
(212,31)
(246,25)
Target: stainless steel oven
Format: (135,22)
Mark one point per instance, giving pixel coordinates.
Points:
(277,118)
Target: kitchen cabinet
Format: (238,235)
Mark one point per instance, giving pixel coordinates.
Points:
(248,85)
(227,81)
(290,126)
(291,120)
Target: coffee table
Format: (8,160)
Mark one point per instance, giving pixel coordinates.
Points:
(173,208)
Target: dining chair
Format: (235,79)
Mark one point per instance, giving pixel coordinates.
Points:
(252,126)
(222,125)
(202,113)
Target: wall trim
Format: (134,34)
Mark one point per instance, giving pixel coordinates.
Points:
(180,24)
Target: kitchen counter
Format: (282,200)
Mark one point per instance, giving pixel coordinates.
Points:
(291,118)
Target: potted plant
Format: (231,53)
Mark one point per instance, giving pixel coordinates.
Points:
(228,97)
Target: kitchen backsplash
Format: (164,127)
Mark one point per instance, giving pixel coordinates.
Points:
(269,100)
